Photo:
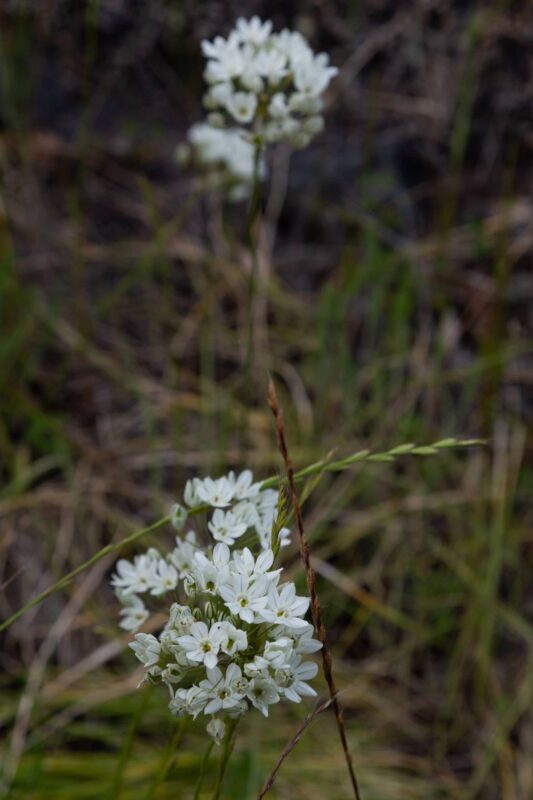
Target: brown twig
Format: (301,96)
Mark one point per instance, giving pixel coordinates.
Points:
(316,611)
(289,747)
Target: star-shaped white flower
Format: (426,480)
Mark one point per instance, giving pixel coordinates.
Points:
(216,493)
(243,598)
(134,614)
(225,527)
(202,643)
(146,648)
(285,607)
(165,579)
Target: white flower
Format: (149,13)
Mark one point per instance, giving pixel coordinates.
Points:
(209,573)
(272,65)
(245,564)
(284,537)
(178,516)
(168,639)
(134,614)
(246,511)
(244,486)
(301,103)
(172,674)
(285,607)
(225,527)
(137,577)
(293,45)
(279,653)
(218,95)
(233,640)
(303,640)
(217,494)
(216,729)
(267,499)
(228,65)
(190,494)
(262,693)
(230,160)
(180,618)
(291,679)
(182,557)
(221,689)
(188,701)
(165,579)
(278,106)
(202,644)
(257,668)
(250,77)
(253,31)
(217,48)
(221,558)
(312,75)
(242,106)
(244,599)
(146,648)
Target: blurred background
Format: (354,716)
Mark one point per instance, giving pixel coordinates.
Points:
(398,251)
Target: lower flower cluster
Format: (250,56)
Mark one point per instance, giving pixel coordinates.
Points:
(235,636)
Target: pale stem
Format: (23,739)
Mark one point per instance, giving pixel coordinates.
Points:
(227,749)
(253,244)
(203,768)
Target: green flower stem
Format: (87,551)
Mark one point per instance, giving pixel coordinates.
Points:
(203,768)
(227,749)
(167,757)
(252,236)
(318,467)
(127,745)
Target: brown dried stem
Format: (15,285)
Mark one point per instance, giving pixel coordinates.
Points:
(289,747)
(316,611)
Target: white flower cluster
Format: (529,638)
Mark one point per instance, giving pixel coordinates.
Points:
(235,636)
(270,82)
(225,156)
(264,87)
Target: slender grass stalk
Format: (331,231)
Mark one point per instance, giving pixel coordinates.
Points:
(203,768)
(227,749)
(127,745)
(66,579)
(289,747)
(316,610)
(327,465)
(167,757)
(208,352)
(318,467)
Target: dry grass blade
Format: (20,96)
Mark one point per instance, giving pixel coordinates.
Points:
(316,610)
(289,747)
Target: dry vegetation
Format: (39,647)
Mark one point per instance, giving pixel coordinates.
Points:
(398,251)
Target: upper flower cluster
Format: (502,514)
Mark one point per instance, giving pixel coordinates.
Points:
(235,636)
(272,83)
(264,87)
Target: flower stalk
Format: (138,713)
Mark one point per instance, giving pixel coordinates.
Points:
(227,749)
(254,287)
